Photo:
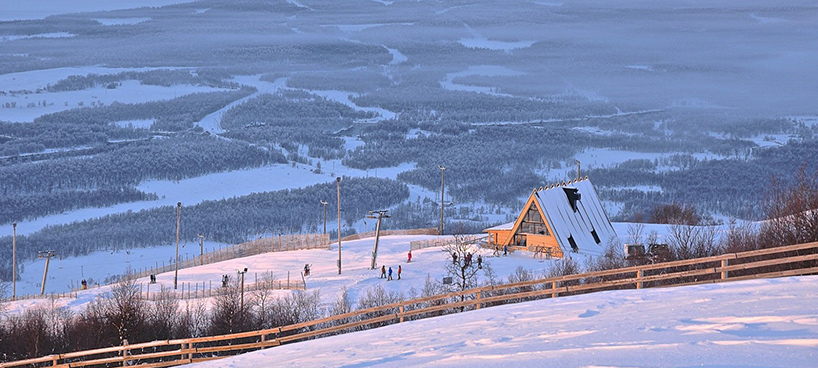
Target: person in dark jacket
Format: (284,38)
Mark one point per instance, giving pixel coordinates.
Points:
(383,272)
(390,274)
(399,271)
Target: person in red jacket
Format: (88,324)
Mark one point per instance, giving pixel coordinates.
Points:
(409,259)
(399,270)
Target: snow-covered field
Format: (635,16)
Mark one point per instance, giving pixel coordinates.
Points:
(763,323)
(356,276)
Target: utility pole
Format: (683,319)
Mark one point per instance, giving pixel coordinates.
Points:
(578,176)
(14,261)
(201,250)
(241,306)
(178,222)
(47,255)
(325,203)
(380,214)
(338,183)
(442,187)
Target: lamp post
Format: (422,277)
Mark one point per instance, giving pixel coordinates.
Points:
(241,306)
(442,187)
(338,184)
(178,222)
(325,203)
(201,250)
(14,261)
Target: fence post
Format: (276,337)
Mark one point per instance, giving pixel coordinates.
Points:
(554,293)
(401,314)
(639,275)
(724,263)
(124,352)
(479,293)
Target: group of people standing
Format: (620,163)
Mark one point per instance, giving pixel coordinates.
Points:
(388,276)
(467,260)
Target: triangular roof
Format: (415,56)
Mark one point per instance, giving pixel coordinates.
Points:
(572,220)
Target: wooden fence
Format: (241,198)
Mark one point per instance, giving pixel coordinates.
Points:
(775,262)
(371,234)
(444,241)
(202,290)
(279,243)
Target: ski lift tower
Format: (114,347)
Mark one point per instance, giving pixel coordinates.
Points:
(47,255)
(376,215)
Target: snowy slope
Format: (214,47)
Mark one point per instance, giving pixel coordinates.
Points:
(764,323)
(356,276)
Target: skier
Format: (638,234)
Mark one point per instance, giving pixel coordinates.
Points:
(468,259)
(409,259)
(496,250)
(390,274)
(505,250)
(84,284)
(224,280)
(399,271)
(383,272)
(153,279)
(307,269)
(479,262)
(454,258)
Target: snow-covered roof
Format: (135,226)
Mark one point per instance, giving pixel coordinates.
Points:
(507,226)
(577,219)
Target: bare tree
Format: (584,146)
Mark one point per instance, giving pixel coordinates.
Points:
(193,319)
(164,316)
(263,297)
(125,310)
(463,269)
(228,315)
(792,211)
(692,241)
(741,238)
(635,232)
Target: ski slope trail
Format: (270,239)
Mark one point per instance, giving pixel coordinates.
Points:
(759,323)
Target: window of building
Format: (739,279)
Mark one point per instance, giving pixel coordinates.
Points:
(574,246)
(533,223)
(596,237)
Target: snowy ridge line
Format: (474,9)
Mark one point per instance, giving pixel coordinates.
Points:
(211,347)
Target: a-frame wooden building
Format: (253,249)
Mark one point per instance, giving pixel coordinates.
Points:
(558,219)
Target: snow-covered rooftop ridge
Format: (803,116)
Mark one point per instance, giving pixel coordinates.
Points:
(506,226)
(576,216)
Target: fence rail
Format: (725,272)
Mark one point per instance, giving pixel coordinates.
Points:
(279,243)
(370,234)
(202,290)
(799,259)
(444,241)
